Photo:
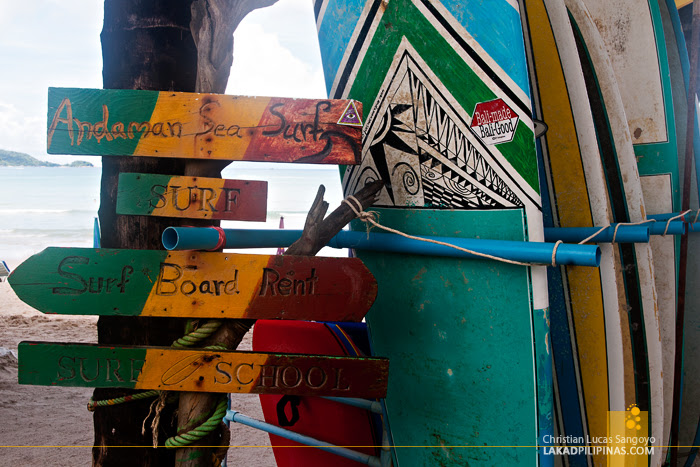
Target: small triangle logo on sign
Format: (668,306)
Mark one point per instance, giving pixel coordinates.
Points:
(350,116)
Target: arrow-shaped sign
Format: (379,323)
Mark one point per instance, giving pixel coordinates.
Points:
(203,126)
(166,369)
(86,281)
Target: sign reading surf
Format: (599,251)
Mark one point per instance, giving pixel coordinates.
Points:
(202,126)
(191,197)
(194,284)
(494,122)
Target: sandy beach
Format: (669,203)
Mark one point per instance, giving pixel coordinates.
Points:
(36,419)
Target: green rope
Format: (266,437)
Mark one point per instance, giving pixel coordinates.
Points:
(206,428)
(93,404)
(192,338)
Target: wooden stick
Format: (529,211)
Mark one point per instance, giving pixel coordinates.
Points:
(693,46)
(195,407)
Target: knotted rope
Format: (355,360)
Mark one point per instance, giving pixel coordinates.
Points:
(192,338)
(370,218)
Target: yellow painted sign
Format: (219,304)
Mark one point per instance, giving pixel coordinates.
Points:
(194,284)
(167,369)
(192,197)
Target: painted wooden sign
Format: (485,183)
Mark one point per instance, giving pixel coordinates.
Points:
(192,197)
(203,126)
(162,368)
(86,281)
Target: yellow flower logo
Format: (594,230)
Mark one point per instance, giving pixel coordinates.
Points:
(632,417)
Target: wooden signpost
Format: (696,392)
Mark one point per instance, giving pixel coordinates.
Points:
(191,197)
(203,126)
(189,284)
(86,281)
(166,369)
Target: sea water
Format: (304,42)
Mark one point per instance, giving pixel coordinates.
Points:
(56,206)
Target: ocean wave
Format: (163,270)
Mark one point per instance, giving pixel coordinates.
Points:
(41,233)
(38,211)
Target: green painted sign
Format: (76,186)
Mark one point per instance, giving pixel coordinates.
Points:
(87,281)
(167,369)
(192,197)
(203,126)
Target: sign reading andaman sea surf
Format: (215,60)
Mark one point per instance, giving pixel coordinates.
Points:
(87,281)
(203,126)
(160,368)
(192,197)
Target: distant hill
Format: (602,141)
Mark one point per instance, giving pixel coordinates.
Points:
(20,159)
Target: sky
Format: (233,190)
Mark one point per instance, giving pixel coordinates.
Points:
(56,43)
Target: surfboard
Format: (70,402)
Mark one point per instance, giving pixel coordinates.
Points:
(635,41)
(449,129)
(688,434)
(585,304)
(623,181)
(318,418)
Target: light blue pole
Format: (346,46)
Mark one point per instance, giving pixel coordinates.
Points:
(625,234)
(206,238)
(366,459)
(372,406)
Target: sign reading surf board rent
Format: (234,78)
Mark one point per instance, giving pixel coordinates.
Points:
(191,197)
(87,281)
(203,126)
(166,369)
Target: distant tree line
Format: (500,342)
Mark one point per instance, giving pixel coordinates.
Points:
(20,159)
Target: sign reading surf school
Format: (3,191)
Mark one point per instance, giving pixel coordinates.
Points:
(202,126)
(82,281)
(494,122)
(191,197)
(87,365)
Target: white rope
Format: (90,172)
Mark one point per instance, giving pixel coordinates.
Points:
(594,235)
(554,252)
(369,217)
(668,222)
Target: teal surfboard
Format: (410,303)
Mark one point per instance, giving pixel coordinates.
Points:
(448,127)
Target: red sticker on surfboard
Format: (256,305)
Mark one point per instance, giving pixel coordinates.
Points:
(494,122)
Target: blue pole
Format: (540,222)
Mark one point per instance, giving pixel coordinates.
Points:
(674,228)
(362,458)
(668,215)
(206,238)
(687,219)
(372,406)
(625,234)
(96,233)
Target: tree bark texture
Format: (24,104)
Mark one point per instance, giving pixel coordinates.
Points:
(149,45)
(212,25)
(145,45)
